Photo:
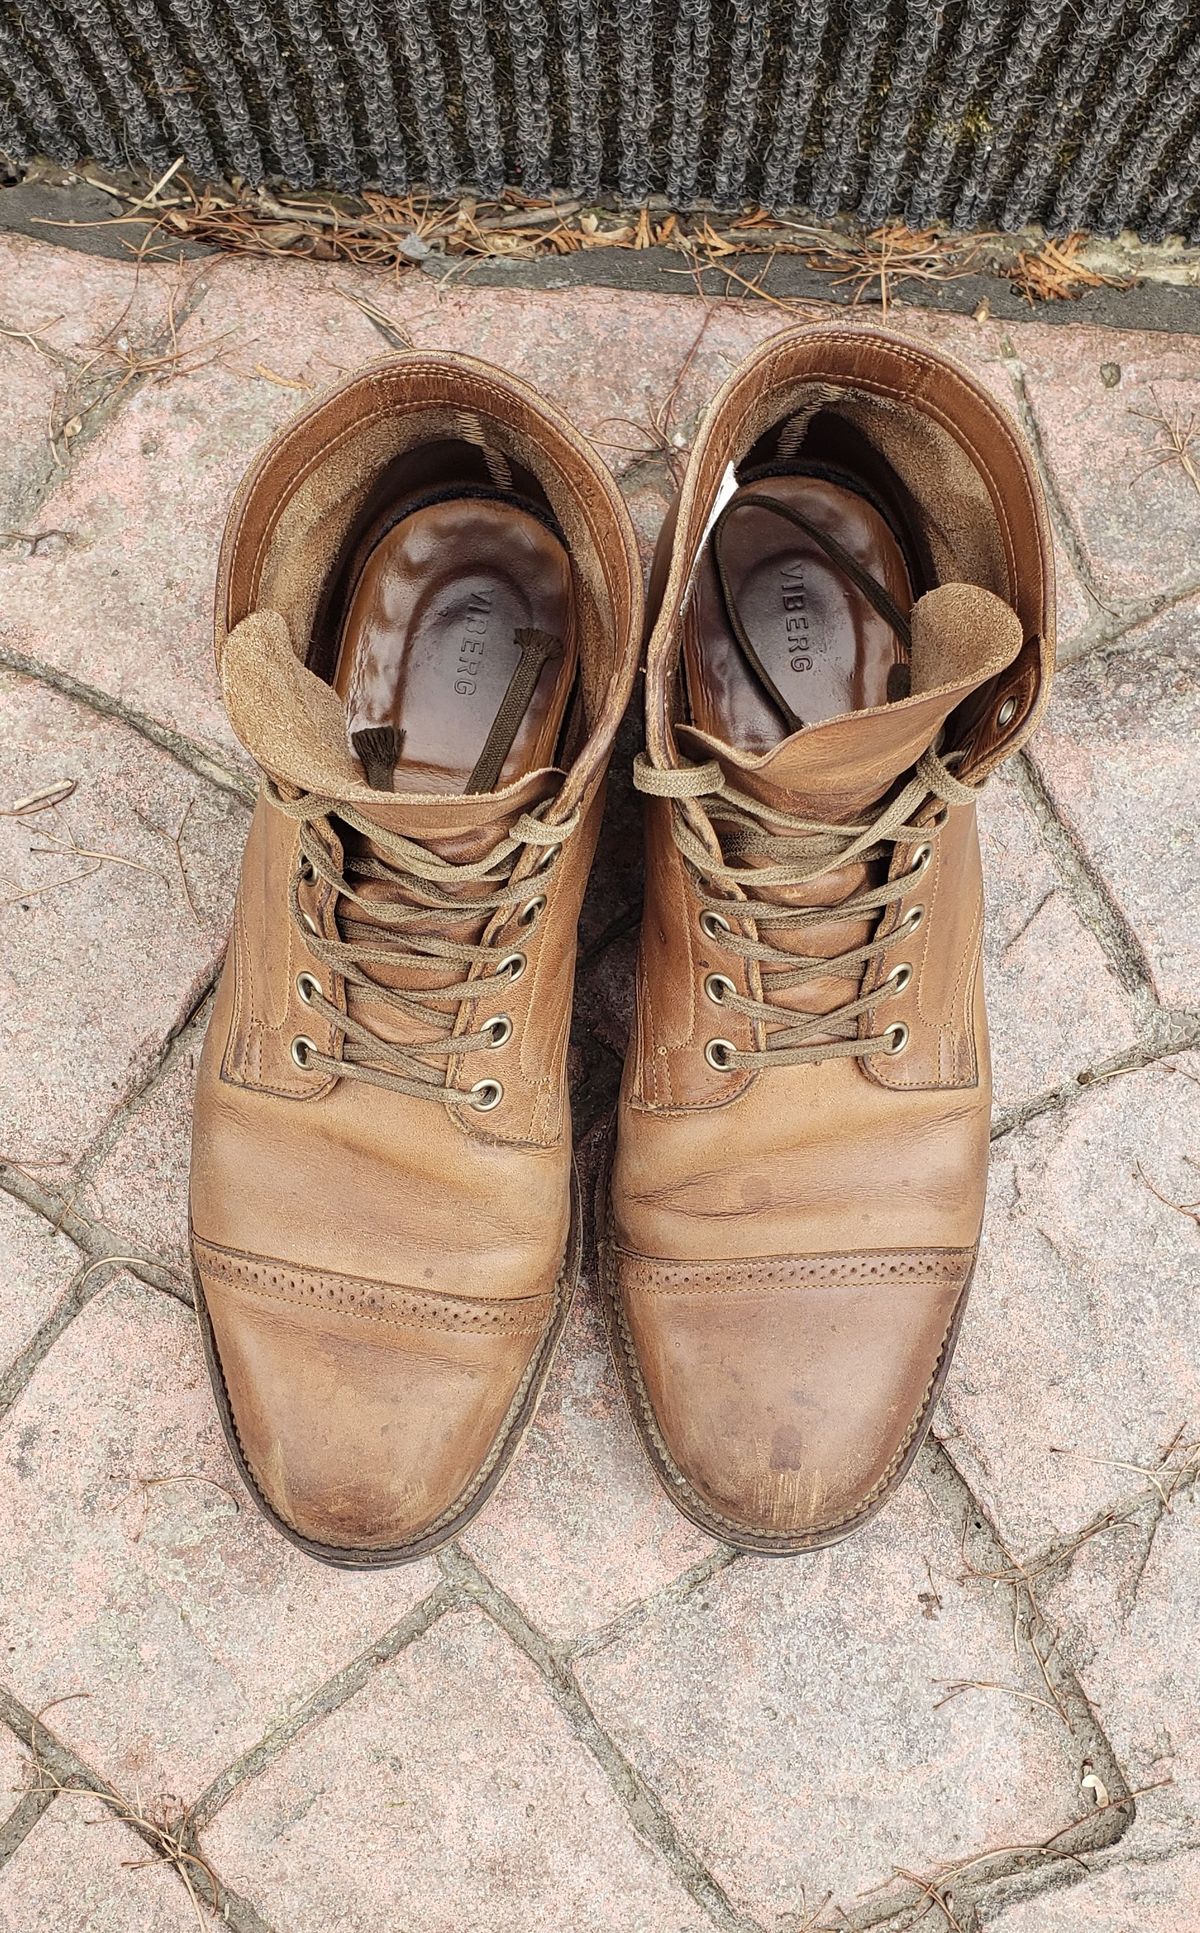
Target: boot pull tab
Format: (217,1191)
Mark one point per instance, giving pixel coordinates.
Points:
(535,647)
(378,748)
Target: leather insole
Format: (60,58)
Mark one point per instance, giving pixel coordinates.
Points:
(431,638)
(823,645)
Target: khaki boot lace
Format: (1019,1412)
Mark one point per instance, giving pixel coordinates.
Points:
(733,826)
(408,929)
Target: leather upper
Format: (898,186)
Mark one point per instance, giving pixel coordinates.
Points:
(382,1273)
(788,1246)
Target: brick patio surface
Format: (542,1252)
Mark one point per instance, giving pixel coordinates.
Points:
(585,1715)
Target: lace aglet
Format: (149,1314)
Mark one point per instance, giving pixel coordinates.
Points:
(377,748)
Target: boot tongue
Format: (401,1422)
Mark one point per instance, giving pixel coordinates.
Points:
(962,637)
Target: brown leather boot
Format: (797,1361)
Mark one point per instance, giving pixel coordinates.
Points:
(428,618)
(839,660)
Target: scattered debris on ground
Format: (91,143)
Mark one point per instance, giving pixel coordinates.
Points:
(1177,440)
(407,231)
(166,1828)
(1058,272)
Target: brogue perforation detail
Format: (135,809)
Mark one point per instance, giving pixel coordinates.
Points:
(655,1276)
(382,1302)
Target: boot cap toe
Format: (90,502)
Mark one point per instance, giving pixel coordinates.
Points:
(782,1398)
(369,1418)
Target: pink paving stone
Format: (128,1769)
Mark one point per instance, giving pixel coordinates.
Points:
(648,498)
(1083,1334)
(107,965)
(979,346)
(1123,1899)
(564,343)
(1075,608)
(193,1627)
(293,327)
(36,1267)
(82,1871)
(580,1529)
(734,329)
(611,360)
(70,303)
(1137,519)
(1054,1004)
(1120,754)
(1130,1621)
(785,1715)
(608,359)
(449,1793)
(126,605)
(14,1775)
(986,349)
(140,1188)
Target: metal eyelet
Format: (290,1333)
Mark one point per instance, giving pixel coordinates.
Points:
(488,1094)
(717,1054)
(305,870)
(899,977)
(302,1048)
(498,1029)
(310,923)
(712,925)
(909,924)
(718,987)
(512,966)
(897,1037)
(306,987)
(531,910)
(921,859)
(1006,713)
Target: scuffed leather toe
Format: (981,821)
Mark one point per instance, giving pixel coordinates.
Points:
(782,1398)
(368,1416)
